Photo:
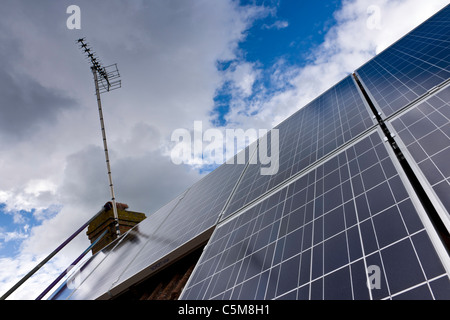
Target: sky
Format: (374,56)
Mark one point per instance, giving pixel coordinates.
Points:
(229,64)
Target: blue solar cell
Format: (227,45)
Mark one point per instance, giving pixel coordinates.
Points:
(440,288)
(338,286)
(401,276)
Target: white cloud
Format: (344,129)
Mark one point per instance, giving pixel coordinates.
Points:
(241,76)
(37,187)
(279,24)
(12,236)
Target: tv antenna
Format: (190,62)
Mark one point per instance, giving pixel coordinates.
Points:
(106,79)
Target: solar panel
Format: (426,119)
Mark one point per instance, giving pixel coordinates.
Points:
(196,215)
(424,131)
(97,278)
(163,237)
(322,126)
(410,67)
(319,236)
(151,244)
(77,275)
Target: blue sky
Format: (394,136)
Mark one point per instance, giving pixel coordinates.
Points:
(287,34)
(13,231)
(230,64)
(15,226)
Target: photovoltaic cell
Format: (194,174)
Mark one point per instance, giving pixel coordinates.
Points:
(314,131)
(317,237)
(410,67)
(424,130)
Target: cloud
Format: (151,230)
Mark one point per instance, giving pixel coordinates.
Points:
(240,76)
(279,24)
(26,104)
(12,236)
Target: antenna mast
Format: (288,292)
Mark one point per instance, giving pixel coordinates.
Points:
(105,79)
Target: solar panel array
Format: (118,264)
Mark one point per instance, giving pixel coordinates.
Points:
(408,84)
(424,131)
(316,237)
(339,220)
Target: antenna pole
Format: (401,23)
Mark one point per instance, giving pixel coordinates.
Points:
(106,79)
(105,146)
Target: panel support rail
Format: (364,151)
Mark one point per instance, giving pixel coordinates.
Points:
(51,255)
(433,215)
